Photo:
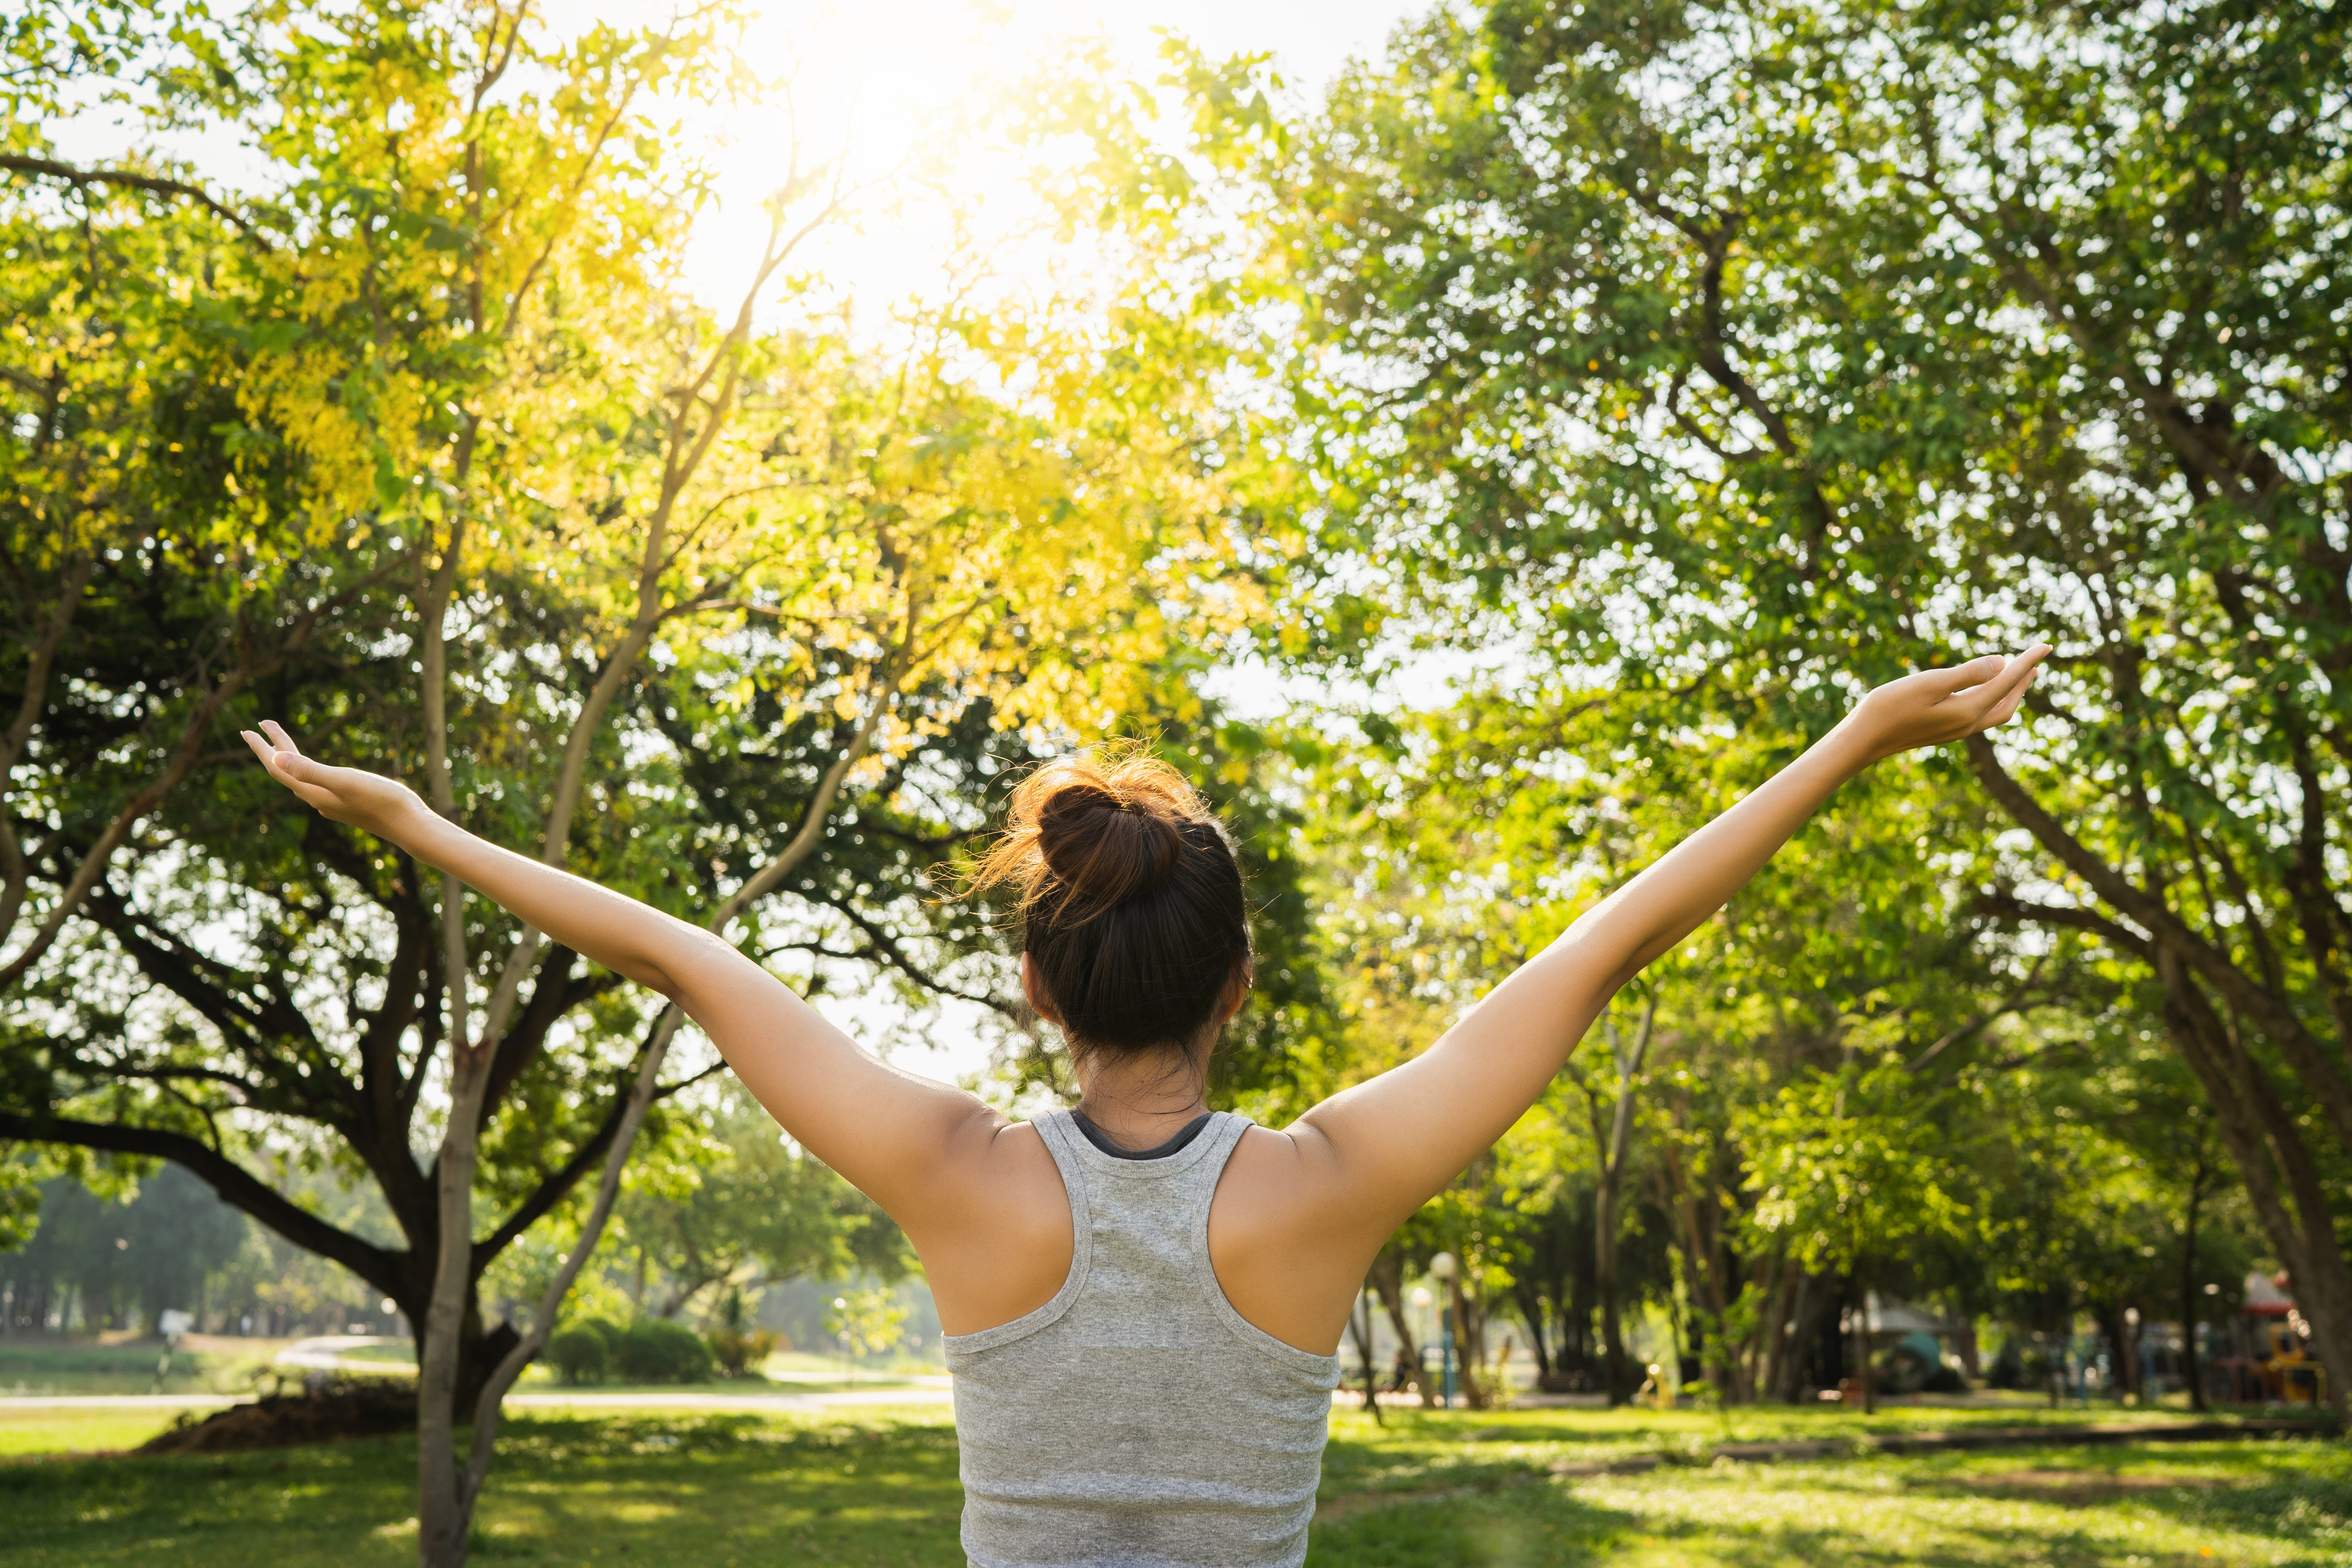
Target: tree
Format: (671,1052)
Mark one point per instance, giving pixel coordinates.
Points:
(1612,1138)
(119,1259)
(1462,839)
(1727,349)
(1850,1181)
(754,1212)
(715,616)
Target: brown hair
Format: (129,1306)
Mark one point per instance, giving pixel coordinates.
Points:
(1129,899)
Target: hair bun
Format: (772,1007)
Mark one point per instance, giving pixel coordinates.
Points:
(1106,844)
(1131,901)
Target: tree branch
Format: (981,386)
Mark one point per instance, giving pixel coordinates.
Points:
(2273,1014)
(155,184)
(237,1186)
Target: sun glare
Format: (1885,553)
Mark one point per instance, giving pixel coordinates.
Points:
(897,94)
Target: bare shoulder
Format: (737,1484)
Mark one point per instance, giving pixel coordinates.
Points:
(994,1234)
(1283,1237)
(1299,1149)
(1276,1180)
(992,1165)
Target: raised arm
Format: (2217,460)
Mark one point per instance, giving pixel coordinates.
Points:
(1383,1147)
(891,1133)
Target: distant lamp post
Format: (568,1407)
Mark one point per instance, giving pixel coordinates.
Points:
(2130,1369)
(1442,1268)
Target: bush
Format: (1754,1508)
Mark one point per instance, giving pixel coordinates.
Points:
(658,1350)
(578,1355)
(740,1349)
(609,1333)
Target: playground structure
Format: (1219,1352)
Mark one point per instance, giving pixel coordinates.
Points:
(2268,1360)
(1908,1348)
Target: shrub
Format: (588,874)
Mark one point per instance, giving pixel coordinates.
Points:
(658,1350)
(738,1349)
(578,1355)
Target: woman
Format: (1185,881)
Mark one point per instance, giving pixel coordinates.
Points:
(1143,1298)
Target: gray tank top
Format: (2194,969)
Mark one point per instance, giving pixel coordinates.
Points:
(1136,1420)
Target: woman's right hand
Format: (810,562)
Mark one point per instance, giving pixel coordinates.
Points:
(365,800)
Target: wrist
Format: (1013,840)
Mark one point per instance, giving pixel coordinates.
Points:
(411,825)
(1854,745)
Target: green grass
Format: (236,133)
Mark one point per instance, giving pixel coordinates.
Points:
(93,1431)
(793,1364)
(34,1367)
(1462,1488)
(716,1490)
(1425,1490)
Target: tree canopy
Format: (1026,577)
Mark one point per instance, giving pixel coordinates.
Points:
(1474,477)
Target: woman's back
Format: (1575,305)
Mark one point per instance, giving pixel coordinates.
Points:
(1136,1418)
(1131,1414)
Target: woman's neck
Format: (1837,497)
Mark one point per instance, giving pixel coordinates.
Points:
(1142,1101)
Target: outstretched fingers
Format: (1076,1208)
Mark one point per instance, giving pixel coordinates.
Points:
(2000,695)
(1970,676)
(286,764)
(280,740)
(271,757)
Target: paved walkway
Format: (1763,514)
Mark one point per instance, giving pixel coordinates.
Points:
(331,1353)
(326,1355)
(118,1401)
(686,1399)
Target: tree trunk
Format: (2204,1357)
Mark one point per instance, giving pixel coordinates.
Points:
(1707,1270)
(1387,1276)
(2268,1148)
(1360,1324)
(2188,1292)
(1613,1369)
(1811,1300)
(442,1518)
(1862,1345)
(1617,1373)
(1470,1346)
(1530,1304)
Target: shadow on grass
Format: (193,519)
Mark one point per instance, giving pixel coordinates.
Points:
(2232,1505)
(1529,1525)
(2292,1495)
(710,1490)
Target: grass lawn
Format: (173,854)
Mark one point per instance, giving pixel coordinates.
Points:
(88,1431)
(32,1365)
(1462,1488)
(1438,1488)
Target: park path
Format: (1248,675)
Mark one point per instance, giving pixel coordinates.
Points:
(928,1391)
(332,1353)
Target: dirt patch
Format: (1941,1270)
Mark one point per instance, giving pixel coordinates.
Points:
(2074,1488)
(363,1407)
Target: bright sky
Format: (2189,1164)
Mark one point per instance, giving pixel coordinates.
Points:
(879,81)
